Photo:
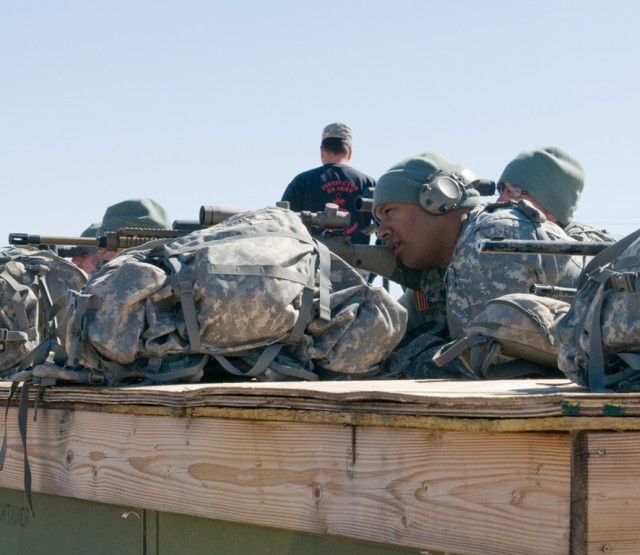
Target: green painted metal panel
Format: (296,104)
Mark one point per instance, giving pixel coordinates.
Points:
(64,526)
(184,535)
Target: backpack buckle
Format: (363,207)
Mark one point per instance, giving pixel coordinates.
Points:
(624,283)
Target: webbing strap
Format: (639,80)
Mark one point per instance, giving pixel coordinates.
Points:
(595,368)
(183,285)
(85,308)
(607,255)
(268,270)
(306,309)
(259,366)
(23,410)
(16,299)
(13,335)
(3,449)
(480,358)
(632,359)
(246,233)
(324,281)
(43,287)
(265,361)
(37,355)
(22,425)
(170,373)
(451,350)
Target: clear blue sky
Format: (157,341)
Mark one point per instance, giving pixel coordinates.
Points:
(211,102)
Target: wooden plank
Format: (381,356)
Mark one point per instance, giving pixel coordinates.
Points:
(608,512)
(460,399)
(468,493)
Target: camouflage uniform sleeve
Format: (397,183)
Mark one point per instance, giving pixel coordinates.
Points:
(427,307)
(474,277)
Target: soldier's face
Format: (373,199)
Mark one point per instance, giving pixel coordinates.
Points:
(411,234)
(84,261)
(101,258)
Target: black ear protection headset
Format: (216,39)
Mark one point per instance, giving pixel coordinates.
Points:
(444,191)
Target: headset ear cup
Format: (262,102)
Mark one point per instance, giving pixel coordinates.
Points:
(441,193)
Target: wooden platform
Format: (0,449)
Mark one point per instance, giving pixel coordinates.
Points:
(499,467)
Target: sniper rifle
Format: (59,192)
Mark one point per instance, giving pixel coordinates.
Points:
(372,258)
(520,246)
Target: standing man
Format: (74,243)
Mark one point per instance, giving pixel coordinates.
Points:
(335,181)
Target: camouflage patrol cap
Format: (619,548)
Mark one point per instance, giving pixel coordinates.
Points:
(337,131)
(91,231)
(139,212)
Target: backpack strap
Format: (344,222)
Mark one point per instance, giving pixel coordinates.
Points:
(183,286)
(623,284)
(22,425)
(26,332)
(157,371)
(482,350)
(451,350)
(607,255)
(85,306)
(627,379)
(266,361)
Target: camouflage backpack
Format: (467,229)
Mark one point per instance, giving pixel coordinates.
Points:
(514,336)
(600,335)
(33,293)
(255,296)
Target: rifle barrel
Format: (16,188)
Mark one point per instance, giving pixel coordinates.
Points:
(552,290)
(516,246)
(26,239)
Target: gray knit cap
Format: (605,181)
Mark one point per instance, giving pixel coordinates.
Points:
(140,212)
(403,181)
(551,175)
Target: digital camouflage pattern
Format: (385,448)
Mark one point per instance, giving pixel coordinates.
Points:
(510,330)
(426,308)
(584,232)
(31,281)
(449,300)
(255,280)
(474,277)
(600,335)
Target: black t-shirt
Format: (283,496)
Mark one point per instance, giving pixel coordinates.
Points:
(337,183)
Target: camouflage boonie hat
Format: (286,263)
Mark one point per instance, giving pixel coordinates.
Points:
(140,212)
(337,131)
